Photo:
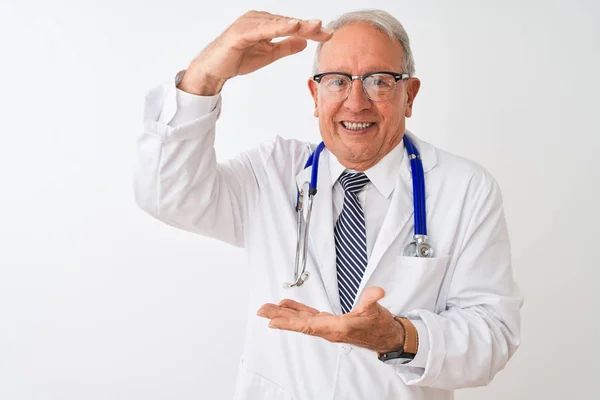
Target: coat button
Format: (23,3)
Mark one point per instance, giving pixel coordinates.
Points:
(345,348)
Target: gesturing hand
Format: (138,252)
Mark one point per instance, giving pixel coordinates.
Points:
(369,325)
(247,46)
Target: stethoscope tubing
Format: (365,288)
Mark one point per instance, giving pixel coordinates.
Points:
(313,161)
(315,168)
(417,172)
(420,224)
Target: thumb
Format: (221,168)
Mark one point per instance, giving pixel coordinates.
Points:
(369,297)
(287,47)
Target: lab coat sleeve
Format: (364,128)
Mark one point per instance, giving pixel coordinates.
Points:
(177,177)
(479,331)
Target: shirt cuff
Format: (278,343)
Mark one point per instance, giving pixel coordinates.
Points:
(181,107)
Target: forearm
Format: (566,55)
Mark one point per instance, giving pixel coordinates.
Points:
(177,177)
(201,85)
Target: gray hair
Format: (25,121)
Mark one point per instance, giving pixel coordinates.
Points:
(381,20)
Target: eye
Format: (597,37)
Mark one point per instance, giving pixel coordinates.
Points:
(381,82)
(337,82)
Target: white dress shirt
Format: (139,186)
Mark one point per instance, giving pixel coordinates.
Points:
(376,196)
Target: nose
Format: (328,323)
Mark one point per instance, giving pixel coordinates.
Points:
(357,100)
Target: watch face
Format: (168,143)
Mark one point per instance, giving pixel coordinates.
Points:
(401,356)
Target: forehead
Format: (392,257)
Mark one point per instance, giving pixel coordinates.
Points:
(359,48)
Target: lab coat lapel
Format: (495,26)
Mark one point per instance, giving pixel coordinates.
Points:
(321,241)
(398,215)
(401,208)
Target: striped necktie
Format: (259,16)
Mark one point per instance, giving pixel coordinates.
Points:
(350,240)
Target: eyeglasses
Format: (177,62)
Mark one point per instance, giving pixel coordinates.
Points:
(378,85)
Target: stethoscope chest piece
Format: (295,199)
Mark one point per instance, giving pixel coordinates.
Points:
(419,248)
(411,249)
(424,250)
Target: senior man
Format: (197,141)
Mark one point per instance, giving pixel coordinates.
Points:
(371,322)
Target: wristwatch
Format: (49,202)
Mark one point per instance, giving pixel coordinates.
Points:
(411,343)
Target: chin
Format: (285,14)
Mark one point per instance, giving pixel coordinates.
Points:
(358,154)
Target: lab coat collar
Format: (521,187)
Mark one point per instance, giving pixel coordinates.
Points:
(383,174)
(427,151)
(382,171)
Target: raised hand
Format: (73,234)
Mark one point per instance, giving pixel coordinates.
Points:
(247,46)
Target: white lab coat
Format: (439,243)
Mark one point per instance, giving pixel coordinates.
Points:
(463,301)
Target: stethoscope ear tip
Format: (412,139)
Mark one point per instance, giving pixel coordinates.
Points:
(299,282)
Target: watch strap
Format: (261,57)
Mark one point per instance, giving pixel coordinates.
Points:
(411,336)
(411,343)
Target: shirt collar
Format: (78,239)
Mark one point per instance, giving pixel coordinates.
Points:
(383,174)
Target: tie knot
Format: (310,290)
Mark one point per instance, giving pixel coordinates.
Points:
(353,182)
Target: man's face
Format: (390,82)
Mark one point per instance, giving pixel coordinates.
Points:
(357,49)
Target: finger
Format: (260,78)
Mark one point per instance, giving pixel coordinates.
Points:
(268,29)
(265,309)
(264,15)
(322,326)
(271,29)
(271,311)
(288,47)
(279,323)
(313,30)
(294,305)
(370,297)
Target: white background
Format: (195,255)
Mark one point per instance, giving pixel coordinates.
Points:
(100,301)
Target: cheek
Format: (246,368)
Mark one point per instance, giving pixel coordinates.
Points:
(327,112)
(391,113)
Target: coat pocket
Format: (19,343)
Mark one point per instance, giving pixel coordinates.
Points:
(415,283)
(253,386)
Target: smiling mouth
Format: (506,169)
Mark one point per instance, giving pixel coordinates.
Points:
(357,126)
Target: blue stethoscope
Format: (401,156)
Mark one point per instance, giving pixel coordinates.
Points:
(417,248)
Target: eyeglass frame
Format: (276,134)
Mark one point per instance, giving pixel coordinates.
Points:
(397,77)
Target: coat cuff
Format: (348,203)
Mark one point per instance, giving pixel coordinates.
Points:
(424,369)
(420,359)
(181,107)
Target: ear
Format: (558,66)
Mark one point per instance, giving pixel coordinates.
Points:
(314,92)
(412,88)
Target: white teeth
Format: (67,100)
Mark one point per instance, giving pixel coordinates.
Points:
(356,126)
